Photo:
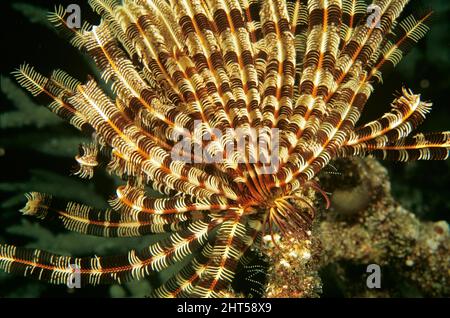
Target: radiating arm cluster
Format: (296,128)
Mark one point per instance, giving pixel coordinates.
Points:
(204,72)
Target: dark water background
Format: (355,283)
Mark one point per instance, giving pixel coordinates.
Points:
(421,186)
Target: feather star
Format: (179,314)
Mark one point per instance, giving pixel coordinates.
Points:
(296,73)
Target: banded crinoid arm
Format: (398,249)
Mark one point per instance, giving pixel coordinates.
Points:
(408,112)
(212,269)
(110,222)
(133,199)
(53,91)
(224,61)
(56,90)
(58,269)
(352,69)
(366,41)
(182,284)
(137,24)
(352,13)
(217,242)
(324,18)
(154,161)
(38,84)
(429,146)
(277,89)
(237,233)
(186,74)
(421,146)
(408,32)
(344,66)
(298,20)
(387,137)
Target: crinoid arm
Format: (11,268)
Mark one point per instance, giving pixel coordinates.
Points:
(58,269)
